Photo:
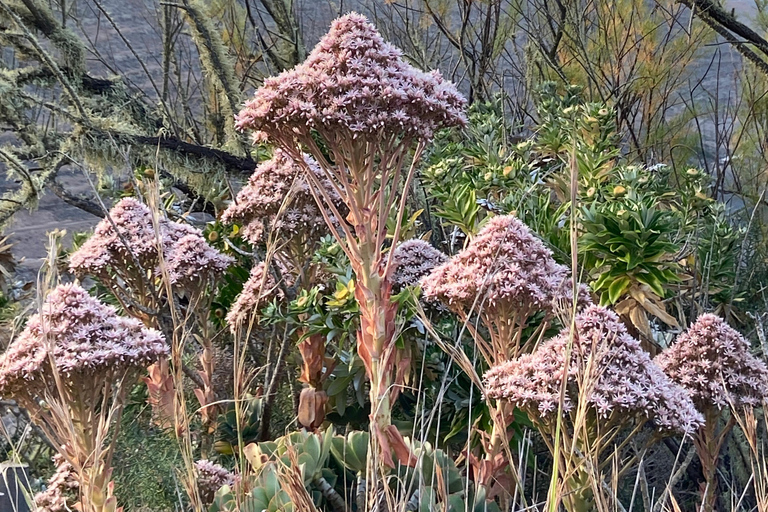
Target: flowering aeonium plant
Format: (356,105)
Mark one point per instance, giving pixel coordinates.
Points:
(278,198)
(608,371)
(80,340)
(136,253)
(72,365)
(612,385)
(125,252)
(258,290)
(412,261)
(369,108)
(713,363)
(505,275)
(61,489)
(192,264)
(277,208)
(210,478)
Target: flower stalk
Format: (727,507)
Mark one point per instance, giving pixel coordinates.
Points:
(373,112)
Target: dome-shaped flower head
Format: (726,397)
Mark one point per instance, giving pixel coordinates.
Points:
(504,269)
(712,361)
(91,344)
(258,205)
(210,478)
(134,238)
(413,260)
(621,379)
(258,290)
(111,251)
(353,84)
(192,263)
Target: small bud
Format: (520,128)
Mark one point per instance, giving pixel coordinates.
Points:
(619,191)
(213,236)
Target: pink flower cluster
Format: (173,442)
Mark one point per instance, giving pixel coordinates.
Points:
(253,297)
(106,249)
(413,260)
(90,344)
(187,254)
(353,84)
(192,262)
(712,361)
(504,268)
(259,203)
(210,478)
(62,486)
(621,379)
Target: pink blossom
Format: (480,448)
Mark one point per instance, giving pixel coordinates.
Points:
(258,290)
(621,380)
(62,486)
(505,268)
(353,85)
(189,257)
(413,260)
(192,262)
(712,361)
(106,247)
(258,205)
(210,478)
(90,343)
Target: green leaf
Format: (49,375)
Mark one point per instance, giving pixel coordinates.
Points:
(652,281)
(312,447)
(339,385)
(617,288)
(341,404)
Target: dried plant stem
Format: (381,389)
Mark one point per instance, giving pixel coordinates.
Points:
(179,327)
(553,498)
(270,392)
(708,442)
(748,423)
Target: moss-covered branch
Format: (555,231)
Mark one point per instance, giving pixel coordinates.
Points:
(53,105)
(219,68)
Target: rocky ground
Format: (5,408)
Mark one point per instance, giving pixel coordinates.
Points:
(29,230)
